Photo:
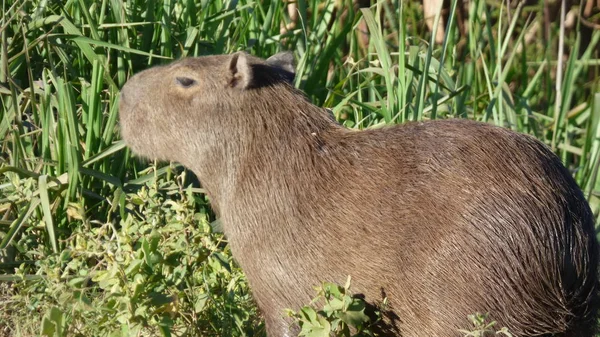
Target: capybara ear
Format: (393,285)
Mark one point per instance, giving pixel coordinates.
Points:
(284,64)
(284,61)
(241,70)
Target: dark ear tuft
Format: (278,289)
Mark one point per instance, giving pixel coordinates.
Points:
(241,71)
(283,60)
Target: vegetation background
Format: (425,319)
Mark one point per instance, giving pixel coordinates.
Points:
(95,242)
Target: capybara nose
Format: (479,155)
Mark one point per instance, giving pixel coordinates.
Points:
(122,96)
(128,95)
(132,89)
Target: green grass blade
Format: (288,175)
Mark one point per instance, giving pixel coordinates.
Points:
(46,210)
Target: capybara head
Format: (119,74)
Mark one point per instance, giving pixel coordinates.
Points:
(165,109)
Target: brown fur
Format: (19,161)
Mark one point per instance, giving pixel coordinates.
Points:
(445,218)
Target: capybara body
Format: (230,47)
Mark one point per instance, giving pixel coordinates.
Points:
(444,218)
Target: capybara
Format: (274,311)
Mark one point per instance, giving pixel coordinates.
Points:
(443,218)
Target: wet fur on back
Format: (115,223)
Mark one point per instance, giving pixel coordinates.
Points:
(444,218)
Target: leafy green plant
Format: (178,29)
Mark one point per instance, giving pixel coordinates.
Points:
(482,327)
(162,270)
(342,315)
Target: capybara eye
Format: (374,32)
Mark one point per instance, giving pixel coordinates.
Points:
(185,82)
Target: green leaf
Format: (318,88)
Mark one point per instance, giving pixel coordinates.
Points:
(355,314)
(53,323)
(200,302)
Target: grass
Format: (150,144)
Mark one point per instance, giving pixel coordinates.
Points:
(85,228)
